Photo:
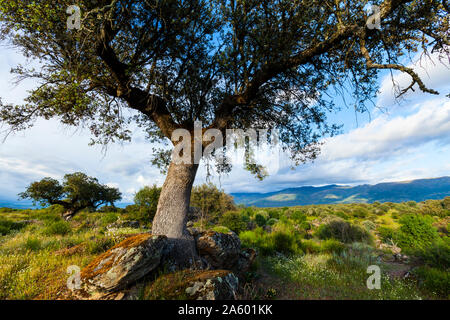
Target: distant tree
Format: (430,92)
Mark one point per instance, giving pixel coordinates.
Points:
(75,193)
(146,200)
(164,64)
(212,201)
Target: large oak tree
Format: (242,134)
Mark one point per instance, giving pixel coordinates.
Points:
(227,63)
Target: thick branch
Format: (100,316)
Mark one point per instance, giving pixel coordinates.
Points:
(415,77)
(151,105)
(224,112)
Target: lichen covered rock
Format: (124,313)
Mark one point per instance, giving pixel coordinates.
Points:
(220,250)
(244,262)
(123,264)
(194,285)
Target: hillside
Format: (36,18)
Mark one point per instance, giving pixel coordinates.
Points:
(415,190)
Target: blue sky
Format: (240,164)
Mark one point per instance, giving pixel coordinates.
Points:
(401,140)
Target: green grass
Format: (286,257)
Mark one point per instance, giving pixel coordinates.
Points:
(300,256)
(320,276)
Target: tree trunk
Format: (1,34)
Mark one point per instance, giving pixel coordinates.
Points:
(171,214)
(68,214)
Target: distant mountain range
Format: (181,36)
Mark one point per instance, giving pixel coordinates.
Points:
(416,190)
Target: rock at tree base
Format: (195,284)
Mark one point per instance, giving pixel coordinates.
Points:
(124,263)
(244,262)
(220,250)
(194,285)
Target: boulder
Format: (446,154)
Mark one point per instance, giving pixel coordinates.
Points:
(244,262)
(194,285)
(219,250)
(123,264)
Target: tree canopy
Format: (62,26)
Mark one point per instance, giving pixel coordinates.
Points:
(76,192)
(236,63)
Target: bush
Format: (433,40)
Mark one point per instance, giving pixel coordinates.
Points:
(416,232)
(434,280)
(437,255)
(57,228)
(298,216)
(310,246)
(260,220)
(257,239)
(343,231)
(234,221)
(332,246)
(284,242)
(386,234)
(369,225)
(100,245)
(360,212)
(33,244)
(221,229)
(109,217)
(271,221)
(269,243)
(7,226)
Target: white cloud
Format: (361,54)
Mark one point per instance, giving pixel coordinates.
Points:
(386,135)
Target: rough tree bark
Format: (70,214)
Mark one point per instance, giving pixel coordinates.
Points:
(69,213)
(171,213)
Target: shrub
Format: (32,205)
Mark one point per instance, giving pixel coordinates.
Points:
(109,217)
(271,221)
(434,280)
(100,245)
(7,226)
(274,213)
(310,246)
(234,221)
(343,231)
(259,240)
(360,212)
(332,246)
(212,201)
(33,244)
(386,234)
(57,228)
(298,216)
(284,242)
(369,225)
(260,220)
(437,255)
(416,232)
(221,229)
(357,256)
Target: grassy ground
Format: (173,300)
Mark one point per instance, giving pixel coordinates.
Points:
(296,257)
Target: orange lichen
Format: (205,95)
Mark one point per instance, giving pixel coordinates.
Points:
(79,248)
(92,269)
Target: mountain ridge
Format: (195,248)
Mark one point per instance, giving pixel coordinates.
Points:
(410,190)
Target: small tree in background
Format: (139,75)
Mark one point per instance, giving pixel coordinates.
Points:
(212,201)
(75,193)
(147,201)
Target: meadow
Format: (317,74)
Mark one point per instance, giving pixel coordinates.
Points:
(305,252)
